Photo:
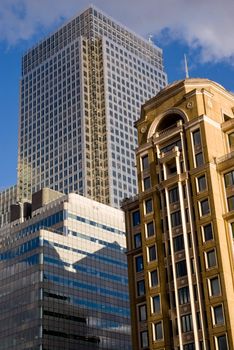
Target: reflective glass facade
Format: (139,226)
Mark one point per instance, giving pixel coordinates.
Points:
(7,197)
(80,94)
(63,279)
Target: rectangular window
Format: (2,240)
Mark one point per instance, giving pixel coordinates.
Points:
(142,312)
(154,278)
(214,286)
(186,321)
(198,317)
(139,263)
(144,339)
(211,259)
(176,218)
(184,296)
(204,207)
(169,147)
(230,203)
(152,254)
(147,183)
(218,315)
(174,195)
(171,168)
(156,305)
(158,331)
(199,159)
(137,240)
(201,183)
(136,218)
(148,206)
(181,268)
(231,139)
(178,242)
(140,288)
(197,138)
(189,346)
(232,229)
(207,232)
(145,162)
(229,178)
(221,341)
(150,229)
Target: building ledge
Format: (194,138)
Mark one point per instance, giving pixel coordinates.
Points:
(167,156)
(172,180)
(163,135)
(128,201)
(228,125)
(225,161)
(229,216)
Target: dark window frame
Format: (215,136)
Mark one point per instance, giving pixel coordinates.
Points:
(230,201)
(154,277)
(184,295)
(207,232)
(136,218)
(137,240)
(139,263)
(145,162)
(158,329)
(201,183)
(181,268)
(178,243)
(142,315)
(148,206)
(147,183)
(152,253)
(210,261)
(140,288)
(156,304)
(204,207)
(174,195)
(150,230)
(187,323)
(176,218)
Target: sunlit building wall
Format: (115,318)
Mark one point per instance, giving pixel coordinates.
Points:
(180,226)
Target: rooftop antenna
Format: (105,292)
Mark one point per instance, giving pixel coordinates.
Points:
(150,39)
(186,67)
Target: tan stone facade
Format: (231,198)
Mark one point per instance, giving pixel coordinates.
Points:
(180,227)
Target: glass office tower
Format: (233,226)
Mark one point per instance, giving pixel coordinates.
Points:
(80,94)
(63,277)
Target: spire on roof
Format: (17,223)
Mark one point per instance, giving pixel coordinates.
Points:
(186,67)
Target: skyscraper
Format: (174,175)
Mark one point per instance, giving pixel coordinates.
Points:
(80,94)
(63,276)
(181,226)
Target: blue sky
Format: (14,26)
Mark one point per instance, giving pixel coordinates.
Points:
(200,28)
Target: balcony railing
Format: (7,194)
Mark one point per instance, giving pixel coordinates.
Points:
(225,157)
(169,129)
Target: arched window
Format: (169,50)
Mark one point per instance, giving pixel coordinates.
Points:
(169,121)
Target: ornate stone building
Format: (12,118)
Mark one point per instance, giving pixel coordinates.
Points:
(180,226)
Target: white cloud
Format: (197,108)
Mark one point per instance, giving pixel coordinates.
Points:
(203,24)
